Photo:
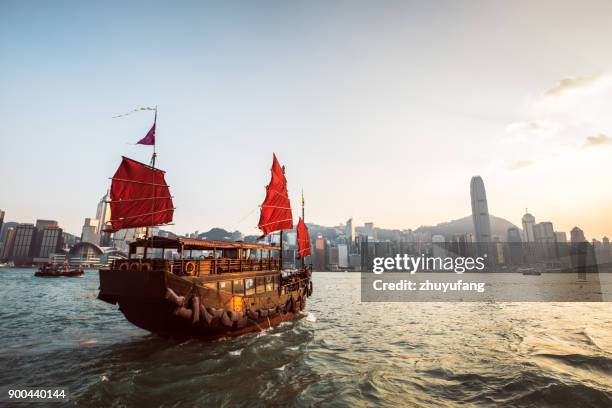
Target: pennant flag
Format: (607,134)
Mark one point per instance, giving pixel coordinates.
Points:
(149,139)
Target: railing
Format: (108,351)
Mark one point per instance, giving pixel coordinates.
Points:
(200,267)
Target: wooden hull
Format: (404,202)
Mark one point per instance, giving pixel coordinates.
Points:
(169,305)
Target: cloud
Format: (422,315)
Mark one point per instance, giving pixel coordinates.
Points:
(520,164)
(599,140)
(537,127)
(570,84)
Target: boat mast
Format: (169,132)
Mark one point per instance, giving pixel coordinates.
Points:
(281,238)
(303,258)
(153,157)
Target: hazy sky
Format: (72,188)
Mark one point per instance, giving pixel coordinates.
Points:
(382,111)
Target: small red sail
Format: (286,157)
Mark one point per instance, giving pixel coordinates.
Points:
(139,197)
(303,239)
(276,209)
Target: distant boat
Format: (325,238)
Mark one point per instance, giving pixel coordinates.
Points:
(51,271)
(203,288)
(530,272)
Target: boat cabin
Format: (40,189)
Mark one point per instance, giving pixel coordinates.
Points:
(194,257)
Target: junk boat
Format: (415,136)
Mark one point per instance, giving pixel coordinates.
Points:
(201,288)
(52,271)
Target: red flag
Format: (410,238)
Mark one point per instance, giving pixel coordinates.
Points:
(149,139)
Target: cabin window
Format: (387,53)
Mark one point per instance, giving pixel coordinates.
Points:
(154,253)
(269,284)
(249,285)
(170,254)
(207,254)
(231,253)
(195,254)
(275,282)
(261,287)
(225,286)
(139,254)
(212,286)
(238,287)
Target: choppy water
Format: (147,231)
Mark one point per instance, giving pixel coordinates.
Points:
(54,333)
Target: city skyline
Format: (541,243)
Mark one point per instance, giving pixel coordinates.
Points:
(387,126)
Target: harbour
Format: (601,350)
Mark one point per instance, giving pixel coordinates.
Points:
(340,352)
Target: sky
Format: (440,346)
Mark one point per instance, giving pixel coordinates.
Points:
(381,111)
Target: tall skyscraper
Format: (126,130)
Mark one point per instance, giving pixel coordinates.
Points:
(103,215)
(1,219)
(8,244)
(349,232)
(319,259)
(577,235)
(528,223)
(544,233)
(22,244)
(370,231)
(514,235)
(561,236)
(480,211)
(90,231)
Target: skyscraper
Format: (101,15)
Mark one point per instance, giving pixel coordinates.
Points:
(577,235)
(1,219)
(90,232)
(528,223)
(103,215)
(480,211)
(22,244)
(349,232)
(370,231)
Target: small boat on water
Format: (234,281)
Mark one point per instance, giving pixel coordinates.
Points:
(52,271)
(201,288)
(530,272)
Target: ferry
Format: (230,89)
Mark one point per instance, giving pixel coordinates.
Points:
(53,271)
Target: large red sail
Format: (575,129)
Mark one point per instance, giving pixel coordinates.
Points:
(276,209)
(139,197)
(303,239)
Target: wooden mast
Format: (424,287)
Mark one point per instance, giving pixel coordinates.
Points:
(153,157)
(304,220)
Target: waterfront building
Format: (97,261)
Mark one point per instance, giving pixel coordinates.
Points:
(355,262)
(343,260)
(21,252)
(7,244)
(90,231)
(577,235)
(561,237)
(513,235)
(319,259)
(370,231)
(439,246)
(545,240)
(528,223)
(1,220)
(50,241)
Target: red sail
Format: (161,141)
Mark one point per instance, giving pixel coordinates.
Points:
(276,209)
(303,239)
(139,197)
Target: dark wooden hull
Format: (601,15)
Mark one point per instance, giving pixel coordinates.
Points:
(148,299)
